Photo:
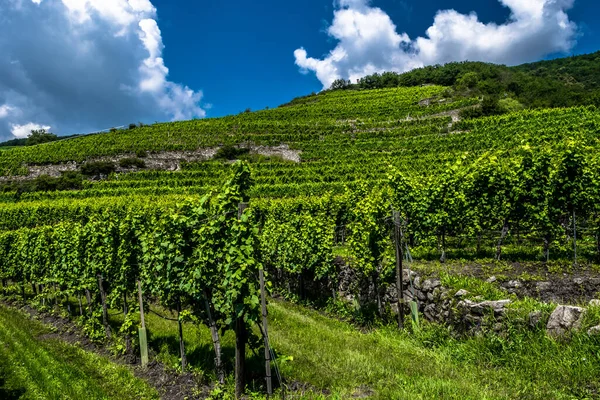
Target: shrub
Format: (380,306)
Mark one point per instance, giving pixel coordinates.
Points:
(132,126)
(229,152)
(132,162)
(510,105)
(467,81)
(141,154)
(98,168)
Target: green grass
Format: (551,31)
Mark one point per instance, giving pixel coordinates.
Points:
(338,361)
(32,368)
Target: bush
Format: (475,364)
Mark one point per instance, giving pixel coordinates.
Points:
(468,81)
(132,162)
(132,126)
(70,180)
(40,136)
(141,154)
(509,104)
(229,152)
(98,168)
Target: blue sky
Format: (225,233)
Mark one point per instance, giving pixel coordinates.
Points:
(241,53)
(82,66)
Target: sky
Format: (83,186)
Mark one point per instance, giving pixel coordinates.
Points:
(80,66)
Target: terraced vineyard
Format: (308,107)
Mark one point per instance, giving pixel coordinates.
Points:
(326,173)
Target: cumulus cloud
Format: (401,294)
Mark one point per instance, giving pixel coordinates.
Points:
(369,42)
(22,131)
(5,110)
(85,65)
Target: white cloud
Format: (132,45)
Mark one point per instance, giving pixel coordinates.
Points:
(368,40)
(22,131)
(5,110)
(84,65)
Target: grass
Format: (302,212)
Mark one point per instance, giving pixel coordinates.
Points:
(33,368)
(431,363)
(332,359)
(337,361)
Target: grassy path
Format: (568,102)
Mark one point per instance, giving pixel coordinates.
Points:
(31,368)
(382,363)
(331,357)
(340,362)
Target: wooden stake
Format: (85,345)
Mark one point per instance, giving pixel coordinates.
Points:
(181,343)
(104,306)
(574,239)
(263,300)
(399,271)
(214,331)
(240,341)
(142,330)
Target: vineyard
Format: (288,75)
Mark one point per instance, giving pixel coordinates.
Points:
(194,241)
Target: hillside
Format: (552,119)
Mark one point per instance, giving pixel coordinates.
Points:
(449,205)
(562,82)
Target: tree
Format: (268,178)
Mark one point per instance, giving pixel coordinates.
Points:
(39,136)
(339,84)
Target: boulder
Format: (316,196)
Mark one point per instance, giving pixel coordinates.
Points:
(563,319)
(491,279)
(461,293)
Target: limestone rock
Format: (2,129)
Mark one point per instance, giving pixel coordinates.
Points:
(430,312)
(491,279)
(498,306)
(563,319)
(431,284)
(417,282)
(594,303)
(543,286)
(594,330)
(514,284)
(535,317)
(461,293)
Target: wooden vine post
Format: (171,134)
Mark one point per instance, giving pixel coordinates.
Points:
(214,331)
(574,239)
(263,300)
(142,330)
(240,340)
(399,283)
(104,305)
